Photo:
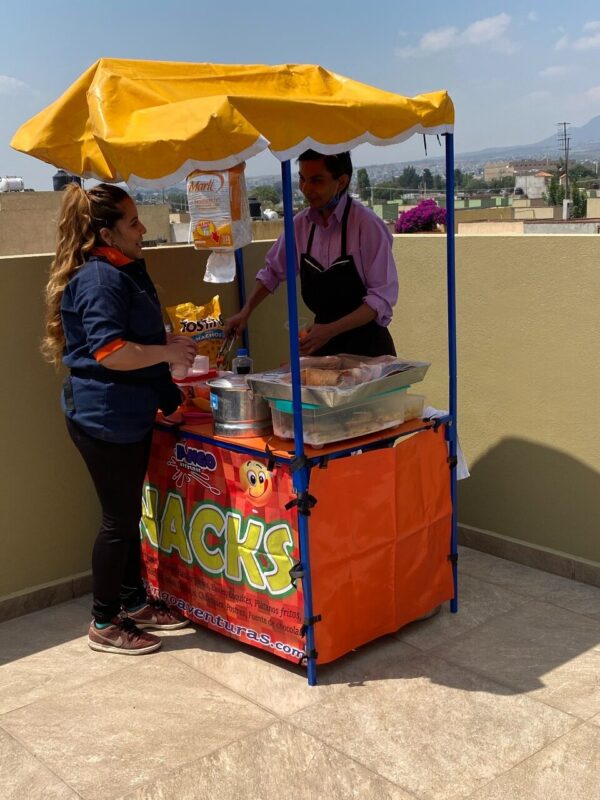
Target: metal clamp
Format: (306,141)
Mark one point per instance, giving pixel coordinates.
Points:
(296,573)
(309,622)
(304,501)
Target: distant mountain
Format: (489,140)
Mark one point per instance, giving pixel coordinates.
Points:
(584,143)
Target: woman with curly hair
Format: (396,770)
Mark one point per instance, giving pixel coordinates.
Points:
(104,323)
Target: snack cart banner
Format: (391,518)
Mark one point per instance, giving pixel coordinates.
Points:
(218,543)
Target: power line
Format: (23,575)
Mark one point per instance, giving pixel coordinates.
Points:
(564,141)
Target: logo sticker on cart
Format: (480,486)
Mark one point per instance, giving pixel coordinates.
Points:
(193,464)
(214,401)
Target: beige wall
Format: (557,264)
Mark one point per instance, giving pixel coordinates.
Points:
(545,212)
(487,228)
(593,208)
(28,222)
(529,349)
(529,346)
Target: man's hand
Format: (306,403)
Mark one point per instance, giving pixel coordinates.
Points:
(237,323)
(316,337)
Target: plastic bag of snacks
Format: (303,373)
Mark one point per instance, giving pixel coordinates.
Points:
(204,324)
(220,218)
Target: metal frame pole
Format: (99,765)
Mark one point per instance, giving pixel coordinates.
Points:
(239,268)
(452,362)
(300,477)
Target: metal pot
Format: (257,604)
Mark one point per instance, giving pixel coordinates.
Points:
(236,410)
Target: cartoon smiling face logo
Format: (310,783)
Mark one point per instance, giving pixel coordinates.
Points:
(256,481)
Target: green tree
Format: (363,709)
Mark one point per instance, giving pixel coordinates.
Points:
(363,184)
(579,171)
(506,182)
(409,179)
(266,194)
(579,207)
(556,193)
(473,184)
(427,179)
(438,182)
(458,178)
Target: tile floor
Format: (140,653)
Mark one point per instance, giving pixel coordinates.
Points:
(499,702)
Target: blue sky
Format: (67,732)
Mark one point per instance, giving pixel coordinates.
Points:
(513,69)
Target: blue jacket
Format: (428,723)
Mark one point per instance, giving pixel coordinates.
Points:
(103,304)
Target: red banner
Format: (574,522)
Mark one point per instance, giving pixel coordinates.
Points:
(218,544)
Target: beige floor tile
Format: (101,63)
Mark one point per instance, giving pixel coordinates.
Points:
(107,737)
(549,652)
(438,731)
(478,602)
(564,770)
(545,586)
(574,596)
(280,761)
(52,671)
(41,630)
(279,685)
(23,777)
(595,720)
(86,601)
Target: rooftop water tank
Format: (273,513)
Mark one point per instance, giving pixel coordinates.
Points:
(11,184)
(254,205)
(61,178)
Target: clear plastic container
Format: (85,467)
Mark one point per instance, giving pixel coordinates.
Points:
(322,424)
(179,372)
(200,366)
(242,363)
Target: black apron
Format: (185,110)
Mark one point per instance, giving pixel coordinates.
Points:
(335,292)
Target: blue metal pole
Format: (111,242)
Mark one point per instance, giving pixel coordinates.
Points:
(239,268)
(452,365)
(300,477)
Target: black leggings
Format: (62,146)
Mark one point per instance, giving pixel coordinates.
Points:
(118,472)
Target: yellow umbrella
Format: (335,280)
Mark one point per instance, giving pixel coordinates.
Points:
(150,123)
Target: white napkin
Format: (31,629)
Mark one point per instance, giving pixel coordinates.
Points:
(462,470)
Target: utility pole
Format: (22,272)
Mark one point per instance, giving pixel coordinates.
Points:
(564,142)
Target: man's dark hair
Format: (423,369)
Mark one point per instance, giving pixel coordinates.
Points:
(338,164)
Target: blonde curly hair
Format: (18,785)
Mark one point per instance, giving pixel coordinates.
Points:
(82,217)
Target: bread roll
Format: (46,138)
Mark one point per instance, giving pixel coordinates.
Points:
(320,377)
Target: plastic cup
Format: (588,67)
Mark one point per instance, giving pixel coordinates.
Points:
(303,324)
(200,365)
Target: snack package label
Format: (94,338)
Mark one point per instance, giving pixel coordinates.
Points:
(204,324)
(219,211)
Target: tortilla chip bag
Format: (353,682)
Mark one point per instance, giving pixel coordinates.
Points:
(204,324)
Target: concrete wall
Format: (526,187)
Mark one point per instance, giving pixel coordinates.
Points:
(593,207)
(491,227)
(547,212)
(28,222)
(529,346)
(577,226)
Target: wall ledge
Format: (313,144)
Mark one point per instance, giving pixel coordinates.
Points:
(44,596)
(553,561)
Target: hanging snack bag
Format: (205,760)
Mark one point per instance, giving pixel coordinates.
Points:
(204,324)
(220,218)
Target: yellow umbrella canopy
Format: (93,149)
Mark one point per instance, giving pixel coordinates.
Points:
(150,123)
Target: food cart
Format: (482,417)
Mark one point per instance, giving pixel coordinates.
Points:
(305,552)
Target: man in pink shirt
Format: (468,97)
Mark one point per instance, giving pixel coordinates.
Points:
(348,277)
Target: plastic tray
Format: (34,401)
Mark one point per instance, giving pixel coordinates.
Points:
(322,424)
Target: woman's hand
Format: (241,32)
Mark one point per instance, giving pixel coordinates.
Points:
(180,350)
(316,337)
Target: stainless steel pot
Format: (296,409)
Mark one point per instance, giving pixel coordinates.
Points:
(236,410)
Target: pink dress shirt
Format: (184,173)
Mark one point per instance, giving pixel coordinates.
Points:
(368,240)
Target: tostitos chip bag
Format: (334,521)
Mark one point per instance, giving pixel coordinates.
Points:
(204,324)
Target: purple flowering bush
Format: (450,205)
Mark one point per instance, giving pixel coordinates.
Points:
(427,216)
